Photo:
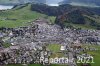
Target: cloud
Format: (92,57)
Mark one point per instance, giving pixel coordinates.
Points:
(53,1)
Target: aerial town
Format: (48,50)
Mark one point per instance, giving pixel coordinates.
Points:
(29,44)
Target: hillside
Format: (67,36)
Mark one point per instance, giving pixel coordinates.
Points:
(19,16)
(74,16)
(78,17)
(58,10)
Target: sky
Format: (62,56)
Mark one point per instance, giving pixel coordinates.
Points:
(5,7)
(53,1)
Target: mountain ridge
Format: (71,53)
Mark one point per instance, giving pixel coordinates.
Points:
(86,3)
(16,2)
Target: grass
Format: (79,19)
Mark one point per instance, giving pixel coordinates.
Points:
(59,55)
(58,65)
(34,65)
(14,65)
(80,26)
(6,45)
(95,19)
(19,16)
(95,54)
(54,47)
(52,19)
(42,65)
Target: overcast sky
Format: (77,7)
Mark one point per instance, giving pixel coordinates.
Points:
(53,1)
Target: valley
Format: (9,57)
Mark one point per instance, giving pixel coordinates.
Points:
(34,34)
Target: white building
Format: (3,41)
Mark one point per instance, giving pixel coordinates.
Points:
(63,48)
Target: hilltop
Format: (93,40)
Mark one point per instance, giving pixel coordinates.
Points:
(86,3)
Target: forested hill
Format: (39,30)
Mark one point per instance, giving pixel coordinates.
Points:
(58,10)
(73,15)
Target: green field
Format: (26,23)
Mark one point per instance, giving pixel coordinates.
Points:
(20,16)
(95,54)
(54,47)
(80,26)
